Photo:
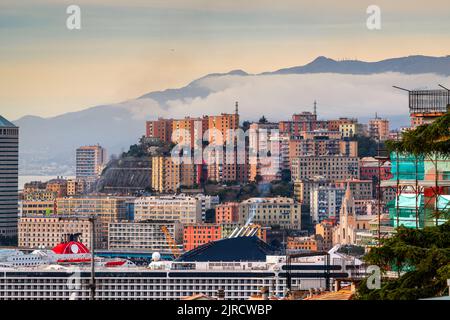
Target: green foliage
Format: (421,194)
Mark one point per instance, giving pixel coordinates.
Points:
(245,125)
(262,120)
(210,215)
(282,189)
(423,254)
(250,190)
(147,147)
(425,139)
(286,175)
(351,250)
(367,147)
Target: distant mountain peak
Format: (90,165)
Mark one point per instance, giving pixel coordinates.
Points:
(236,72)
(322,59)
(414,64)
(54,139)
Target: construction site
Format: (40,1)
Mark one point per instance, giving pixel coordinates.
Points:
(420,174)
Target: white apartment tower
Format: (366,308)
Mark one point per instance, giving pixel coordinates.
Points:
(90,161)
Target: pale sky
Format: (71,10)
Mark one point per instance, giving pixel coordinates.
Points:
(128,48)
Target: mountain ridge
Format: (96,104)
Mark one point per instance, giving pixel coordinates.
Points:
(116,125)
(318,65)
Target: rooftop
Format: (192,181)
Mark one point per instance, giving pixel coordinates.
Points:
(5,123)
(231,249)
(343,294)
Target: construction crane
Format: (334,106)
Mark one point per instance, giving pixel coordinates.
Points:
(172,244)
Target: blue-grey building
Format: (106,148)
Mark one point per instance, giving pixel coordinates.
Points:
(9,178)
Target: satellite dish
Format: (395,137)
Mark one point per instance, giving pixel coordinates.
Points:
(156,256)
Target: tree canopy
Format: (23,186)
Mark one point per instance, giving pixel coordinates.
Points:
(424,256)
(425,139)
(367,147)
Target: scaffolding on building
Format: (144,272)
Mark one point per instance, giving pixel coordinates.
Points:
(422,186)
(428,102)
(421,180)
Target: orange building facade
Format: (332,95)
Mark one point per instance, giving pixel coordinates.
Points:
(302,243)
(195,235)
(163,129)
(227,212)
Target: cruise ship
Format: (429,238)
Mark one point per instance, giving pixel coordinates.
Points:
(238,267)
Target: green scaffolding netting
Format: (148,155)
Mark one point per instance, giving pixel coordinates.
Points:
(403,167)
(410,210)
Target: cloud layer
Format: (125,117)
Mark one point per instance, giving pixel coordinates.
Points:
(279,96)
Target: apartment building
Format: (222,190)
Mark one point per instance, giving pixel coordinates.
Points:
(208,202)
(279,211)
(303,187)
(58,186)
(90,161)
(379,128)
(325,202)
(144,235)
(37,208)
(313,147)
(184,209)
(303,244)
(348,148)
(76,187)
(106,209)
(305,121)
(329,167)
(183,130)
(165,174)
(223,123)
(227,212)
(39,195)
(195,235)
(161,129)
(348,130)
(371,168)
(223,165)
(337,124)
(37,232)
(361,189)
(33,186)
(324,231)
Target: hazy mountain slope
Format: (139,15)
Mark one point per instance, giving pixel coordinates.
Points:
(116,126)
(406,65)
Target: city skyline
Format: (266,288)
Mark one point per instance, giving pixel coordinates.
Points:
(225,150)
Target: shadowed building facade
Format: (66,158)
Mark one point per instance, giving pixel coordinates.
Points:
(9,177)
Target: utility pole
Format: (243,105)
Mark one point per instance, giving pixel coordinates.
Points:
(92,283)
(91,219)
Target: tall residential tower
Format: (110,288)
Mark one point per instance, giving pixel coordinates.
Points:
(9,176)
(90,161)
